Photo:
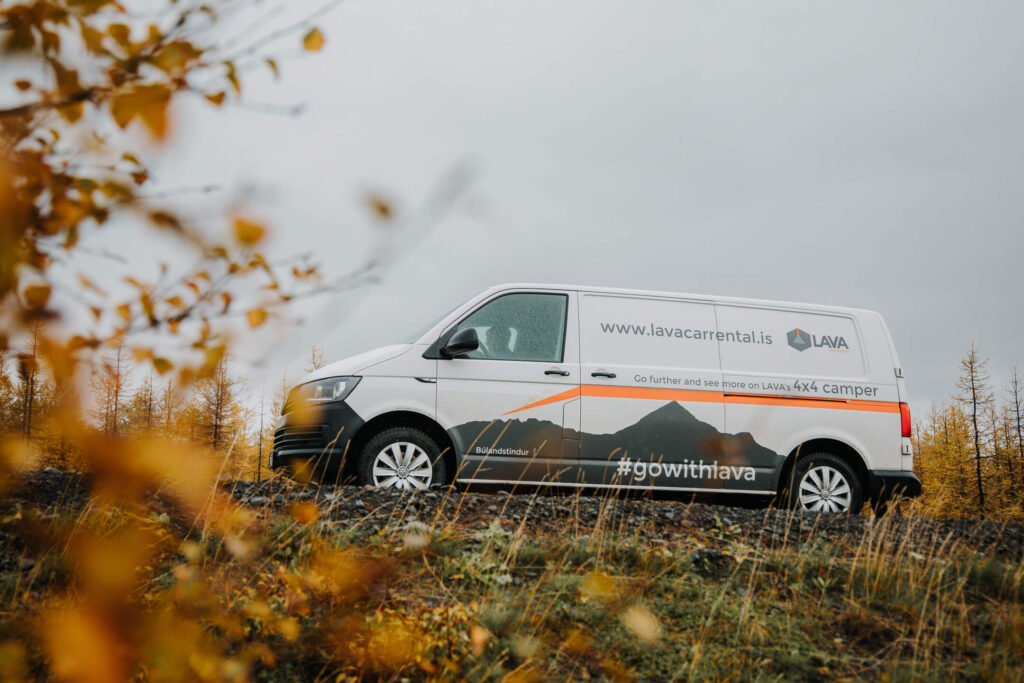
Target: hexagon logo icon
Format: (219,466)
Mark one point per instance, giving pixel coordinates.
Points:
(799,339)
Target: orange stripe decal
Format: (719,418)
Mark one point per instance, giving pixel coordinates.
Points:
(688,395)
(803,402)
(564,396)
(696,396)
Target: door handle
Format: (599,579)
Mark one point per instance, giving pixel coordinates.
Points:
(563,373)
(609,375)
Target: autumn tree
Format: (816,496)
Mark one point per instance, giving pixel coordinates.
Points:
(942,461)
(110,385)
(141,410)
(29,380)
(90,84)
(975,397)
(280,395)
(57,406)
(8,397)
(1015,410)
(80,71)
(217,410)
(316,358)
(168,407)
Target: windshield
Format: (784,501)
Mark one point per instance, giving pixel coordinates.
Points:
(423,329)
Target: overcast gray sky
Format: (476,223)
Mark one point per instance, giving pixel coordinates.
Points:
(864,154)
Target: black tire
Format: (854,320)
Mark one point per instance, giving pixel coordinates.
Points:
(821,468)
(392,436)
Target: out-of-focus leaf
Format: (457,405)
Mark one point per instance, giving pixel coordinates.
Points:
(165,219)
(87,283)
(232,76)
(82,646)
(175,57)
(288,628)
(148,103)
(67,79)
(305,513)
(120,33)
(248,232)
(380,207)
(313,41)
(256,317)
(13,666)
(479,637)
(600,586)
(642,623)
(37,296)
(80,342)
(71,112)
(93,39)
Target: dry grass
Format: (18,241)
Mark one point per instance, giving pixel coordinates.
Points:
(215,591)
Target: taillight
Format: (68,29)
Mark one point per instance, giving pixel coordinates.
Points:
(905,419)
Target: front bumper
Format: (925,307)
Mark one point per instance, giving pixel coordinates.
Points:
(887,484)
(316,434)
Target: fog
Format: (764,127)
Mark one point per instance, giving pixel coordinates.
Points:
(859,154)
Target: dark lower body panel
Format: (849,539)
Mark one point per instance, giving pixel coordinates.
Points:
(888,484)
(319,436)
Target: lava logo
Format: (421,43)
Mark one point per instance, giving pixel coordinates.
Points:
(801,340)
(798,339)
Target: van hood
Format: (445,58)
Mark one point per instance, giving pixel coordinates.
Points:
(353,365)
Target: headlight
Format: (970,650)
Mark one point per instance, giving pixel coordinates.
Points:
(320,391)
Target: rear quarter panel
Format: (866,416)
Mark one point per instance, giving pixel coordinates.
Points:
(827,374)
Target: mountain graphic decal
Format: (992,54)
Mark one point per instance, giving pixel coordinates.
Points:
(669,434)
(672,434)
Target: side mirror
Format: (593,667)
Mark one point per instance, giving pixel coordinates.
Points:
(462,342)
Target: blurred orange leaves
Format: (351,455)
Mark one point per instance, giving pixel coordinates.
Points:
(313,41)
(147,103)
(248,232)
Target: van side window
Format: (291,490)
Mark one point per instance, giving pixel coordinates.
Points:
(525,327)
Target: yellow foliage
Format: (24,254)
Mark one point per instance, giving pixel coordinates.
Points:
(248,232)
(313,41)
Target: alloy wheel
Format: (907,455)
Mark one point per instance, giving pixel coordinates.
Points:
(825,489)
(404,466)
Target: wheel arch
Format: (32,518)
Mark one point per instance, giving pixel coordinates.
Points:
(400,418)
(850,455)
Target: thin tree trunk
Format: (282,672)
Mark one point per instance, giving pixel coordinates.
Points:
(29,382)
(977,450)
(1017,415)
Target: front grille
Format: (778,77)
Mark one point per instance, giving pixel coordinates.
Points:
(294,438)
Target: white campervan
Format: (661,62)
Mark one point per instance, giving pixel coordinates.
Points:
(608,388)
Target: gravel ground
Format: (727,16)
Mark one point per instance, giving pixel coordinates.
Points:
(650,521)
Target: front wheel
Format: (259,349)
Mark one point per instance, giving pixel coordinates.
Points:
(402,458)
(823,482)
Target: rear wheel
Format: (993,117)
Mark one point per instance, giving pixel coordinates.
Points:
(823,482)
(402,458)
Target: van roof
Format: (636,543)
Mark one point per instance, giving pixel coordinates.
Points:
(682,295)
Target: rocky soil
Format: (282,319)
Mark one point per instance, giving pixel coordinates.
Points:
(540,511)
